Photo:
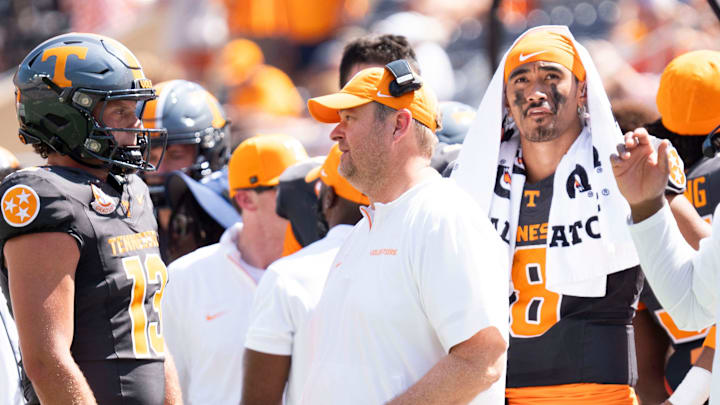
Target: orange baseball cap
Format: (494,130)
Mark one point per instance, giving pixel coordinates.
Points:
(373,84)
(688,98)
(259,161)
(270,90)
(329,175)
(547,45)
(238,59)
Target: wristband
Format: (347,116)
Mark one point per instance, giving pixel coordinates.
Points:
(694,388)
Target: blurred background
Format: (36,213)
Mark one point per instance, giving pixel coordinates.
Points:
(265,58)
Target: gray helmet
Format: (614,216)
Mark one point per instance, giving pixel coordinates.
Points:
(191,115)
(456,119)
(63,80)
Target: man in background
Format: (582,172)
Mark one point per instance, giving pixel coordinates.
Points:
(197,144)
(206,306)
(375,51)
(277,342)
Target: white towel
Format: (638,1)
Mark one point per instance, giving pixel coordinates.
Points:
(579,269)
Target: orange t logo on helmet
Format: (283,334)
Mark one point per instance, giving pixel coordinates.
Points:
(218,120)
(61,53)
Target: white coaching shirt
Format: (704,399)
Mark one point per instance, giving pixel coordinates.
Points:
(415,277)
(205,314)
(286,295)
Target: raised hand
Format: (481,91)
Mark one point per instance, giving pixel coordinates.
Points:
(641,172)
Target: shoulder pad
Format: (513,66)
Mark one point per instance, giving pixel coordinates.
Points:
(30,202)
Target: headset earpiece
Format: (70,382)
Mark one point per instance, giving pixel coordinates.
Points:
(405,79)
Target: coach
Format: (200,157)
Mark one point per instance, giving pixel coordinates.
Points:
(415,306)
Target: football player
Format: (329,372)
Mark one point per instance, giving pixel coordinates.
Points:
(550,192)
(197,144)
(79,239)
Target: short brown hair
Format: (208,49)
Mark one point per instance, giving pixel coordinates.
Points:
(379,50)
(425,137)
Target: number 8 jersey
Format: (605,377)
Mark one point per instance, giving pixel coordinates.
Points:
(119,277)
(559,339)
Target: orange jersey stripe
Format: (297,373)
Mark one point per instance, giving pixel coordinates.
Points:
(710,338)
(572,394)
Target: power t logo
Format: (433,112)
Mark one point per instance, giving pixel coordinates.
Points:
(61,54)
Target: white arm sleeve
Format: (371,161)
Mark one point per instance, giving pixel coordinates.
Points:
(684,281)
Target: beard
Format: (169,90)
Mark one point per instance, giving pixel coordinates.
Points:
(347,169)
(541,134)
(366,164)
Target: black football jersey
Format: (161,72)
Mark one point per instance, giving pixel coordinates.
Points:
(703,186)
(559,339)
(119,279)
(686,344)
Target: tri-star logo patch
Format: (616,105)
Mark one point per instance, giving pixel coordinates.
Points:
(20,205)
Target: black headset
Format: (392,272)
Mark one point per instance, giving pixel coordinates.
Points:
(405,79)
(711,144)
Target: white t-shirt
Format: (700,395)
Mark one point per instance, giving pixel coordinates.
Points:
(415,277)
(10,391)
(685,281)
(206,309)
(283,301)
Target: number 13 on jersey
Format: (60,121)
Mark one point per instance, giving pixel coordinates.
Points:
(142,330)
(535,309)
